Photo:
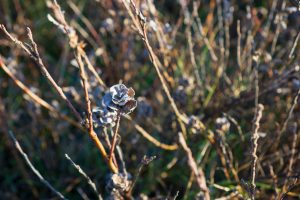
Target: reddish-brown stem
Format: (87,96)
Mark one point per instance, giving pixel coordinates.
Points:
(114,139)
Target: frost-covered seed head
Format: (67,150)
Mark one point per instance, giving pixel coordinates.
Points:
(120,98)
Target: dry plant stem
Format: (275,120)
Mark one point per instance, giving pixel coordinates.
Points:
(294,184)
(122,161)
(270,17)
(294,45)
(278,27)
(34,54)
(157,143)
(189,185)
(34,170)
(92,30)
(192,56)
(223,160)
(256,84)
(114,140)
(221,34)
(291,161)
(189,20)
(73,38)
(165,87)
(87,23)
(92,69)
(225,153)
(203,35)
(199,174)
(82,194)
(295,101)
(238,30)
(232,195)
(79,53)
(4,127)
(90,182)
(36,98)
(274,178)
(145,161)
(86,93)
(141,27)
(139,128)
(239,129)
(254,140)
(92,133)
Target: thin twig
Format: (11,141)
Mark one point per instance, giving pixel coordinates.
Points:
(254,139)
(90,182)
(294,45)
(291,160)
(238,30)
(32,51)
(145,161)
(114,139)
(205,39)
(238,127)
(34,170)
(295,101)
(274,178)
(200,177)
(278,27)
(191,49)
(150,138)
(36,98)
(34,54)
(139,22)
(61,22)
(92,133)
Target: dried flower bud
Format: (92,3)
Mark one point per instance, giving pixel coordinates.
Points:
(104,117)
(120,98)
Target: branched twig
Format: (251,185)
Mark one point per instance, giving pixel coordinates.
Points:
(34,170)
(34,54)
(140,24)
(32,51)
(61,23)
(90,182)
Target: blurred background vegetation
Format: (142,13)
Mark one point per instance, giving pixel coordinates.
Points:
(119,55)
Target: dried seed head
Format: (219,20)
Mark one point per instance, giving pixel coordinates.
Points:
(117,185)
(120,98)
(104,117)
